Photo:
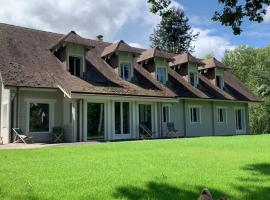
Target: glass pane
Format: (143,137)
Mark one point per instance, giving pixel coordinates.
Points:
(71,65)
(195,114)
(145,116)
(39,117)
(78,66)
(192,79)
(117,117)
(125,71)
(165,114)
(126,128)
(95,120)
(218,81)
(161,74)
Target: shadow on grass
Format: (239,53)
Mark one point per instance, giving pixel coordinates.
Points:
(161,191)
(259,168)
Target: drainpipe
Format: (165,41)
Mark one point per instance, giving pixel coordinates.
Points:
(184,117)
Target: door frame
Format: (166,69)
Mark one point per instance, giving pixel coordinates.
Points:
(164,124)
(153,127)
(243,130)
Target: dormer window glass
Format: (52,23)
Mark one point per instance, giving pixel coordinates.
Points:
(126,71)
(161,74)
(75,66)
(193,78)
(219,82)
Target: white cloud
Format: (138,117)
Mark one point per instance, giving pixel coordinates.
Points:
(266,17)
(134,44)
(207,42)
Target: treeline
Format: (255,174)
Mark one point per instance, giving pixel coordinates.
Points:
(252,66)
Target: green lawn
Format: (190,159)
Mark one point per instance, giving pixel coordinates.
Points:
(238,167)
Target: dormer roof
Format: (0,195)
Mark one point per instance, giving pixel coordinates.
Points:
(153,53)
(72,38)
(185,58)
(213,63)
(118,46)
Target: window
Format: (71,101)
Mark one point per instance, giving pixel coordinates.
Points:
(221,115)
(161,74)
(165,114)
(126,71)
(39,117)
(194,114)
(239,119)
(193,78)
(75,66)
(219,82)
(121,118)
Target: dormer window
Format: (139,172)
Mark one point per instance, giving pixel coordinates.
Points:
(75,66)
(126,71)
(193,78)
(162,74)
(219,82)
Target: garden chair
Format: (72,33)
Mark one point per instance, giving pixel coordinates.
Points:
(145,132)
(21,137)
(172,132)
(57,135)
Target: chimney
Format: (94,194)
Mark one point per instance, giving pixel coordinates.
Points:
(99,38)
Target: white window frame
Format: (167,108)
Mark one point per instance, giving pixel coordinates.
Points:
(166,74)
(243,130)
(199,114)
(51,103)
(225,114)
(130,73)
(196,78)
(5,116)
(221,78)
(121,118)
(169,112)
(82,68)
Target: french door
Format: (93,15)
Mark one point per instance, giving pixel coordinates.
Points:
(122,120)
(239,120)
(95,121)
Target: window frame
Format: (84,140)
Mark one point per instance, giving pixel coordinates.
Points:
(82,67)
(221,81)
(168,106)
(196,78)
(5,115)
(243,113)
(122,71)
(199,114)
(121,118)
(225,114)
(165,74)
(51,103)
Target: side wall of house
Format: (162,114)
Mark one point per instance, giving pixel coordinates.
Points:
(54,98)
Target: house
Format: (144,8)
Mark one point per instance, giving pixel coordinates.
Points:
(99,90)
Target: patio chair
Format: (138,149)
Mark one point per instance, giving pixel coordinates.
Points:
(57,135)
(145,132)
(21,137)
(172,132)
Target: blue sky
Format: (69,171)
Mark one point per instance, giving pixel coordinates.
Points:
(131,21)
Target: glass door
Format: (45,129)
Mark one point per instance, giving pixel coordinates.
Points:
(239,120)
(165,118)
(122,120)
(145,115)
(95,121)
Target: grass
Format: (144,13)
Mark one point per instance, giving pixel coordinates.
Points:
(238,167)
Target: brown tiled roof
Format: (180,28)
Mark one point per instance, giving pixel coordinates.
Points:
(119,46)
(185,58)
(72,38)
(26,61)
(212,63)
(152,53)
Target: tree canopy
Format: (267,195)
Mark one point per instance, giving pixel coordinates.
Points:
(252,67)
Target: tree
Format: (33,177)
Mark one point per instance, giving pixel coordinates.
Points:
(251,66)
(173,34)
(208,55)
(235,11)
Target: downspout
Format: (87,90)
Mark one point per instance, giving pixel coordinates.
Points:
(185,121)
(17,108)
(213,119)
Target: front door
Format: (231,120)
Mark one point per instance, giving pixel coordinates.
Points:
(239,120)
(95,121)
(145,115)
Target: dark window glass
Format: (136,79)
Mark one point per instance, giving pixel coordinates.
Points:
(95,120)
(126,118)
(192,79)
(161,74)
(75,66)
(218,81)
(145,116)
(126,71)
(194,115)
(117,117)
(39,117)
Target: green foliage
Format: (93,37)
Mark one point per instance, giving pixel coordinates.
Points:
(173,34)
(208,56)
(160,7)
(252,66)
(237,167)
(235,11)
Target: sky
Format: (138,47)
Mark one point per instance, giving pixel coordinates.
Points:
(131,21)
